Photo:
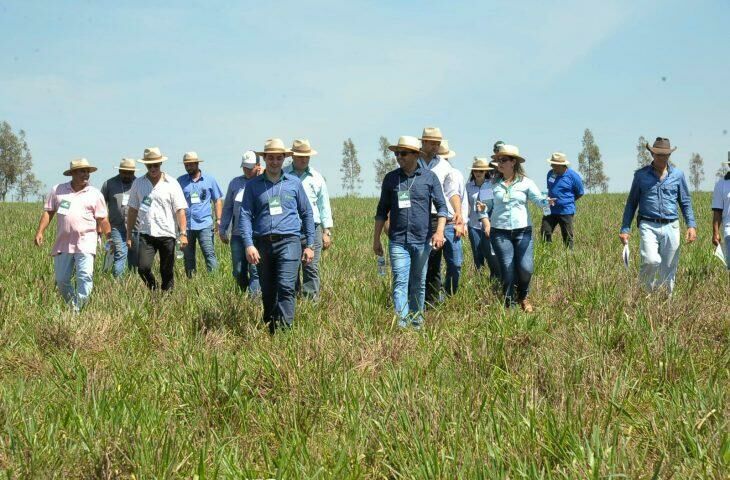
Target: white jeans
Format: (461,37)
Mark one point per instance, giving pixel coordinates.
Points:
(63,265)
(659,254)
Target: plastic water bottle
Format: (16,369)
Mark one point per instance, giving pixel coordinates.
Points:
(178,250)
(381,266)
(545,205)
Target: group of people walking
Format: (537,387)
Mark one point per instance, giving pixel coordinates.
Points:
(277,220)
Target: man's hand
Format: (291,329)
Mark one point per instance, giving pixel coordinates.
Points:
(459,230)
(624,238)
(326,239)
(38,239)
(307,255)
(111,248)
(223,237)
(252,255)
(716,239)
(486,228)
(457,218)
(378,248)
(183,241)
(437,241)
(481,207)
(691,235)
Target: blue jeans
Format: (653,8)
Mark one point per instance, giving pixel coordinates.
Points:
(727,251)
(454,257)
(246,275)
(205,238)
(123,257)
(278,267)
(659,251)
(64,265)
(308,286)
(482,251)
(514,250)
(408,263)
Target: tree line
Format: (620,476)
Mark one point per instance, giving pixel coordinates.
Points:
(16,167)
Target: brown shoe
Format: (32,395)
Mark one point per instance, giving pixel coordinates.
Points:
(526,306)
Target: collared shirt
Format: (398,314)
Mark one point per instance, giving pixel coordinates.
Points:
(657,198)
(116,195)
(232,204)
(721,202)
(156,214)
(481,193)
(77,213)
(410,225)
(316,190)
(565,189)
(443,170)
(458,178)
(509,206)
(256,216)
(198,195)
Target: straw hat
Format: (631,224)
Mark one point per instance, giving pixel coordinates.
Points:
(78,164)
(406,143)
(301,148)
(558,158)
(127,165)
(432,133)
(191,157)
(662,146)
(152,155)
(444,151)
(274,145)
(249,159)
(481,163)
(508,151)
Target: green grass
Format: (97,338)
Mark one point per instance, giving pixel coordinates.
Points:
(600,382)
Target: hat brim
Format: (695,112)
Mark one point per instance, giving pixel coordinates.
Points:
(551,162)
(152,161)
(127,169)
(67,173)
(286,153)
(431,139)
(310,153)
(519,159)
(197,160)
(398,148)
(660,151)
(482,169)
(248,165)
(449,155)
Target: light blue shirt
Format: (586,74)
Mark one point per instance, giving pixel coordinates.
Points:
(316,190)
(205,190)
(509,205)
(232,205)
(478,193)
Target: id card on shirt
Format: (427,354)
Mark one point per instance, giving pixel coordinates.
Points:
(125,199)
(239,196)
(404,199)
(64,207)
(146,202)
(551,180)
(194,198)
(275,206)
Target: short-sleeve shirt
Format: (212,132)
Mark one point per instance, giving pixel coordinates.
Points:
(721,201)
(77,213)
(116,195)
(157,205)
(198,195)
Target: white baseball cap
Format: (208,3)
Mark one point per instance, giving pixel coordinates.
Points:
(249,159)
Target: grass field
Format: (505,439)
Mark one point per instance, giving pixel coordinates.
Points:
(600,382)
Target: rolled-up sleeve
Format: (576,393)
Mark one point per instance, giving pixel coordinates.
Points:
(451,186)
(305,213)
(51,204)
(323,203)
(381,213)
(245,226)
(437,196)
(632,203)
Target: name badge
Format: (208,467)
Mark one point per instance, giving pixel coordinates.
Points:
(194,198)
(146,202)
(551,180)
(404,199)
(239,196)
(64,207)
(125,199)
(275,206)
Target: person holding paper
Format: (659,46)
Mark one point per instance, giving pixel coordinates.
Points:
(478,191)
(116,194)
(721,214)
(659,190)
(246,274)
(566,187)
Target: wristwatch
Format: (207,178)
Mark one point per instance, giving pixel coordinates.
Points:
(311,247)
(328,233)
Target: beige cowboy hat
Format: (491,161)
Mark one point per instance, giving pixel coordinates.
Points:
(432,133)
(152,155)
(558,158)
(301,148)
(274,145)
(191,157)
(444,151)
(661,146)
(481,163)
(249,159)
(78,164)
(406,143)
(505,150)
(127,165)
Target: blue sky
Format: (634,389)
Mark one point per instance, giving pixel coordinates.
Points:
(104,80)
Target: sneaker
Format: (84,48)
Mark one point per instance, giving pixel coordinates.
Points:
(526,306)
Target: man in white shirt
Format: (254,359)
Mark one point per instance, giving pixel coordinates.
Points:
(158,200)
(721,213)
(453,253)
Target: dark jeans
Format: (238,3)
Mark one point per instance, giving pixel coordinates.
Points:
(308,286)
(246,275)
(566,228)
(454,256)
(434,286)
(514,249)
(148,247)
(205,238)
(481,249)
(123,257)
(278,269)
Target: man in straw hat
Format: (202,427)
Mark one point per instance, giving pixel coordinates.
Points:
(406,195)
(200,191)
(158,201)
(246,274)
(81,212)
(274,212)
(319,199)
(430,160)
(657,190)
(565,186)
(116,194)
(721,213)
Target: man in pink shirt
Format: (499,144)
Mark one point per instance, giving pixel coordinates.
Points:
(81,212)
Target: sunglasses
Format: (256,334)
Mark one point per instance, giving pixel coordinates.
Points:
(508,159)
(153,166)
(403,153)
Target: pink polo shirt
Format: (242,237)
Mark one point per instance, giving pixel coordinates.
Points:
(76,213)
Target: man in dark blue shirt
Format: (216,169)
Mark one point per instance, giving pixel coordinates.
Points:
(274,212)
(407,194)
(565,186)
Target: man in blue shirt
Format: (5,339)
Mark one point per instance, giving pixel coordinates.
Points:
(274,212)
(246,275)
(565,186)
(657,189)
(199,192)
(407,195)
